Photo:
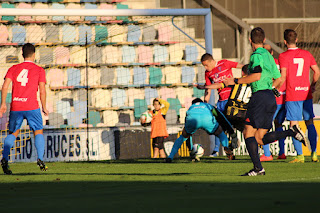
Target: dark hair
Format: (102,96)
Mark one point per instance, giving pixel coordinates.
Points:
(290,36)
(196,100)
(257,35)
(155,100)
(244,69)
(206,56)
(27,50)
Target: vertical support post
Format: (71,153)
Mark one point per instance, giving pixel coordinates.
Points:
(208,32)
(87,89)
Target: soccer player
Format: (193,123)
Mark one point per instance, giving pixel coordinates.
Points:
(295,67)
(26,79)
(199,116)
(262,105)
(278,118)
(216,72)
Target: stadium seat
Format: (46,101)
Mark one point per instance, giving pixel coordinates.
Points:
(191,53)
(74,6)
(24,6)
(140,106)
(115,55)
(172,74)
(62,55)
(85,34)
(166,93)
(182,93)
(187,74)
(46,55)
(12,59)
(101,34)
(139,75)
(107,76)
(7,18)
(80,106)
(122,6)
(175,104)
(134,33)
(124,118)
(176,53)
(160,53)
(133,94)
(110,118)
(94,76)
(52,33)
(197,93)
(56,119)
(105,6)
(183,113)
(18,34)
(145,54)
(94,118)
(63,107)
(119,97)
(35,34)
(57,6)
(201,74)
(164,32)
(149,33)
(55,77)
(77,55)
(75,119)
(69,34)
(90,6)
(123,76)
(74,77)
(150,94)
(4,35)
(187,102)
(95,54)
(155,75)
(101,98)
(41,6)
(128,54)
(171,117)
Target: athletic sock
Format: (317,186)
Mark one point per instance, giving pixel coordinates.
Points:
(281,142)
(297,145)
(189,143)
(271,137)
(8,144)
(223,139)
(39,143)
(312,135)
(266,150)
(252,147)
(216,143)
(176,146)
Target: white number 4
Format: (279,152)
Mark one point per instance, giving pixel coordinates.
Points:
(300,62)
(23,77)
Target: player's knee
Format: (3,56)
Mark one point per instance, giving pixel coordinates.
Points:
(218,131)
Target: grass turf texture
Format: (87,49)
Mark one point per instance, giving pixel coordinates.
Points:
(148,185)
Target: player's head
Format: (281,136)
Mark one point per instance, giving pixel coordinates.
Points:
(156,104)
(196,100)
(257,36)
(208,62)
(244,69)
(269,48)
(28,50)
(290,37)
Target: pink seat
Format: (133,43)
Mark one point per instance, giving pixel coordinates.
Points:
(165,32)
(41,6)
(24,6)
(145,54)
(105,6)
(4,34)
(188,102)
(166,93)
(62,55)
(35,34)
(55,77)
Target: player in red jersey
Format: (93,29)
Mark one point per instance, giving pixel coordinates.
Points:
(295,67)
(26,78)
(217,72)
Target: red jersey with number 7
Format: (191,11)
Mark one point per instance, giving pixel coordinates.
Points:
(25,82)
(298,63)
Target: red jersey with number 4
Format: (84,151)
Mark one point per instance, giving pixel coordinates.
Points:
(222,71)
(282,90)
(298,63)
(25,82)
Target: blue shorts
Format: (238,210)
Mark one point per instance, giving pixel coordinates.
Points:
(198,121)
(221,105)
(33,117)
(280,114)
(299,110)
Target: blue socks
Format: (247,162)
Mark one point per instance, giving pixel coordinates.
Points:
(223,139)
(8,144)
(297,145)
(312,135)
(39,143)
(216,142)
(281,142)
(266,150)
(176,146)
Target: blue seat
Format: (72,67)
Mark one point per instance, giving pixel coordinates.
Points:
(187,74)
(75,119)
(52,33)
(63,107)
(7,18)
(175,104)
(134,33)
(118,97)
(58,6)
(160,53)
(128,54)
(155,75)
(140,106)
(68,33)
(139,75)
(83,1)
(123,76)
(44,1)
(191,53)
(74,77)
(101,34)
(85,34)
(18,34)
(90,6)
(150,94)
(80,107)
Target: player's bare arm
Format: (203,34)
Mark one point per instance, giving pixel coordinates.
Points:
(244,80)
(212,86)
(316,75)
(207,94)
(43,97)
(4,92)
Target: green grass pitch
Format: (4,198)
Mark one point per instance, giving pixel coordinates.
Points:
(148,185)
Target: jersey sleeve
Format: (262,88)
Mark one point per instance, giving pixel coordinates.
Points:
(282,61)
(256,63)
(231,64)
(208,81)
(42,76)
(9,73)
(165,107)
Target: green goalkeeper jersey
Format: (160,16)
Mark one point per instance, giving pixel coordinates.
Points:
(269,71)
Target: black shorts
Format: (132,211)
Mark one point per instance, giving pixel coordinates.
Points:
(158,142)
(261,108)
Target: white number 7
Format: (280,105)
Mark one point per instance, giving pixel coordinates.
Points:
(23,77)
(300,62)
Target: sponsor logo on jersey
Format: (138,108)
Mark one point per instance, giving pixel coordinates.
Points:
(301,89)
(221,78)
(20,99)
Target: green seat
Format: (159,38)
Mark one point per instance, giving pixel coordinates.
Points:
(94,118)
(140,106)
(101,34)
(7,18)
(175,104)
(198,93)
(122,6)
(155,75)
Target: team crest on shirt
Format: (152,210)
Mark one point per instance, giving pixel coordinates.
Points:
(216,75)
(219,68)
